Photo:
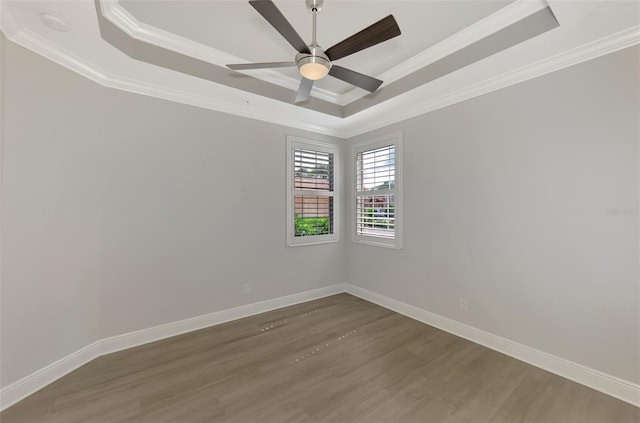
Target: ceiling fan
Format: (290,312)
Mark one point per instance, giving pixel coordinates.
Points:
(312,61)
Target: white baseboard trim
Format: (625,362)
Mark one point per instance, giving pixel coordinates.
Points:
(144,336)
(619,388)
(37,380)
(32,383)
(610,385)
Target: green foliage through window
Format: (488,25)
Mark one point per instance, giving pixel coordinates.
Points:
(306,226)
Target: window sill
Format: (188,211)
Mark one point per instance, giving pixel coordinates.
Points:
(305,243)
(377,244)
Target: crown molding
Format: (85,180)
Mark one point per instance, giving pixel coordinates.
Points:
(514,12)
(589,51)
(119,16)
(11,25)
(508,15)
(32,41)
(225,99)
(252,107)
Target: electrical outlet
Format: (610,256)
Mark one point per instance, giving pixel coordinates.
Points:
(464,304)
(246,288)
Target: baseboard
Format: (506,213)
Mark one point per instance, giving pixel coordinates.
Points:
(32,383)
(610,385)
(619,388)
(39,379)
(144,336)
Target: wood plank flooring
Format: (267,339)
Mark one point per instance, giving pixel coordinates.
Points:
(337,359)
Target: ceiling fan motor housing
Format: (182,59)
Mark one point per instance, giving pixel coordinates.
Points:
(314,65)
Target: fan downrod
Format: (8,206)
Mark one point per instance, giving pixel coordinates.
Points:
(314,5)
(315,64)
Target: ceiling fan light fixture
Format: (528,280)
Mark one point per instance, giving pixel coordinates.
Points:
(313,68)
(312,61)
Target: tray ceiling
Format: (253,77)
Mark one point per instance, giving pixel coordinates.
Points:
(235,28)
(448,51)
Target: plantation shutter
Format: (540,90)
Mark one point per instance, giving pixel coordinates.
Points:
(313,187)
(376,192)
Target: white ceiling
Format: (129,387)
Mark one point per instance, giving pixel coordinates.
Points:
(236,28)
(223,32)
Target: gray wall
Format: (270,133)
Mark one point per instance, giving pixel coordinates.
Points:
(122,212)
(505,201)
(52,123)
(194,206)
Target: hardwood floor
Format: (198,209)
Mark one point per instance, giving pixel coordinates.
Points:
(337,359)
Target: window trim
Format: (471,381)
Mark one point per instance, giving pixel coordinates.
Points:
(395,139)
(294,142)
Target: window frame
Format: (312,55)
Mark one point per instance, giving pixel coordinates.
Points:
(293,143)
(396,140)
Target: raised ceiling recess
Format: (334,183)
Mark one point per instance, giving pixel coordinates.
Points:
(449,51)
(311,54)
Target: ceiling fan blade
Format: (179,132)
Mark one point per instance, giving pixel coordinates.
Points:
(352,77)
(380,31)
(246,66)
(272,14)
(304,91)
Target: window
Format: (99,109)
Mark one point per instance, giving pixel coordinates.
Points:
(312,188)
(378,195)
